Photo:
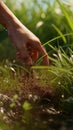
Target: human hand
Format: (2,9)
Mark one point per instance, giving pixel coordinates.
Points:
(28,45)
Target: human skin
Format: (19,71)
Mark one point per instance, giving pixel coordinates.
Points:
(27,44)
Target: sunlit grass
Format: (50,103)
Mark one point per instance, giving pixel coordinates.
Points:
(57,30)
(60,73)
(9,77)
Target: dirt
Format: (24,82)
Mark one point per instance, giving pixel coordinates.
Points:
(42,100)
(30,91)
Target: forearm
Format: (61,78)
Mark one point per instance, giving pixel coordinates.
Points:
(6,16)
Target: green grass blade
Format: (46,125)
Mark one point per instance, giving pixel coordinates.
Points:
(67,16)
(59,32)
(40,67)
(53,48)
(56,38)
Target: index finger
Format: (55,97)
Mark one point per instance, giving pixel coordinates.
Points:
(43,53)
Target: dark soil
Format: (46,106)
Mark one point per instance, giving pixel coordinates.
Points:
(42,115)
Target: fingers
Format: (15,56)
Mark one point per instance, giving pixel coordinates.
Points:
(41,50)
(24,56)
(30,53)
(33,53)
(44,55)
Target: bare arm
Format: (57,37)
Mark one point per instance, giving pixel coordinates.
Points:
(27,44)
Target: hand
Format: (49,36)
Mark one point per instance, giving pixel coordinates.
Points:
(28,45)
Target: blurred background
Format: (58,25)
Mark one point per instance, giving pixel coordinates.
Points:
(47,19)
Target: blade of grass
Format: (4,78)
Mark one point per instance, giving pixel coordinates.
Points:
(59,32)
(40,67)
(55,38)
(23,68)
(67,16)
(48,43)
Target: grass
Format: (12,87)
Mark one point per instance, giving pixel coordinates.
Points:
(61,70)
(59,75)
(9,78)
